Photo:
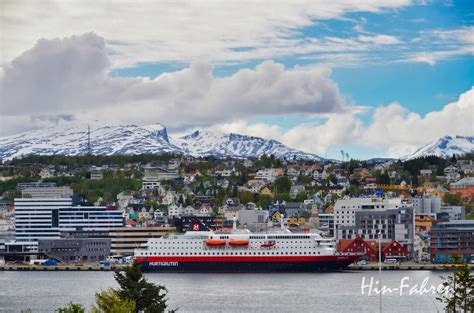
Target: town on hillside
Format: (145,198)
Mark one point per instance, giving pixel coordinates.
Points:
(89,209)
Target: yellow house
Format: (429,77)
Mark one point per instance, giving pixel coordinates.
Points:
(266,192)
(296,220)
(276,217)
(423,222)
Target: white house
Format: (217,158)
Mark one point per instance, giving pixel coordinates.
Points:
(174,210)
(169,198)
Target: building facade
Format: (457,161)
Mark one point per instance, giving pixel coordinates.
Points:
(369,217)
(44,218)
(454,237)
(125,239)
(75,249)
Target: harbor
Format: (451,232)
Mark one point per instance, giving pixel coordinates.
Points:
(97,267)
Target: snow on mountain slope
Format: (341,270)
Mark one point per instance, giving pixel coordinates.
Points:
(72,139)
(206,143)
(444,147)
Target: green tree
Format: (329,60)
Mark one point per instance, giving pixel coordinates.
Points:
(71,308)
(452,199)
(148,297)
(301,196)
(461,286)
(246,197)
(109,301)
(282,184)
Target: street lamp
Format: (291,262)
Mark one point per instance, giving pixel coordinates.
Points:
(380,270)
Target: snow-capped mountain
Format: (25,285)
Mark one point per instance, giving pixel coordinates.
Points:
(203,143)
(72,139)
(444,147)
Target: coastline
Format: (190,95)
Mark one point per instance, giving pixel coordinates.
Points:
(93,267)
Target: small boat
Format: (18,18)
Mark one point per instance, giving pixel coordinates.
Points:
(268,244)
(215,242)
(238,242)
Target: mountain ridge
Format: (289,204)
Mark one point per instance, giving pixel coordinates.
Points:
(72,139)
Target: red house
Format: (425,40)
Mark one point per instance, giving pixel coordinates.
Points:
(359,245)
(370,249)
(395,250)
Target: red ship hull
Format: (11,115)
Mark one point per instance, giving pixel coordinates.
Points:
(243,264)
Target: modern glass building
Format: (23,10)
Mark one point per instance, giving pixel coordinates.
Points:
(44,218)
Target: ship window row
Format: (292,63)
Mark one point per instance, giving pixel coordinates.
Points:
(233,253)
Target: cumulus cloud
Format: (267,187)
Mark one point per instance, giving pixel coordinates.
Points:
(70,77)
(391,127)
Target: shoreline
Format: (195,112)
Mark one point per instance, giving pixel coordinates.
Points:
(91,268)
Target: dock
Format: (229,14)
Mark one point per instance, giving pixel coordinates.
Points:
(96,267)
(87,267)
(403,267)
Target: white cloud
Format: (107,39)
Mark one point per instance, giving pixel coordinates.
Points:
(440,45)
(69,77)
(379,39)
(392,128)
(185,31)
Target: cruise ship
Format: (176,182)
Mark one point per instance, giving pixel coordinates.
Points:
(242,251)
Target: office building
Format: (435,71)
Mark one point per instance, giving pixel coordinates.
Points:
(125,239)
(453,237)
(44,218)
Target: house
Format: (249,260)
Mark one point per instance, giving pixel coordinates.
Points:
(169,198)
(47,172)
(190,211)
(255,185)
(150,185)
(464,186)
(295,190)
(223,183)
(450,169)
(155,173)
(395,250)
(175,210)
(266,192)
(266,175)
(124,198)
(425,174)
(452,176)
(205,209)
(294,209)
(279,171)
(292,172)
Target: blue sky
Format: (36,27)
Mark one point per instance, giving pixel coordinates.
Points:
(374,68)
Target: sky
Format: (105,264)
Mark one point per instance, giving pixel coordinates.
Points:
(372,78)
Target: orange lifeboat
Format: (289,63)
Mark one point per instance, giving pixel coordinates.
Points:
(215,242)
(239,242)
(268,244)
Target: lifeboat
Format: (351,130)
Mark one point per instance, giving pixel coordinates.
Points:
(268,244)
(215,242)
(238,242)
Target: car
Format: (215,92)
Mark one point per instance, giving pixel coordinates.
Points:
(391,261)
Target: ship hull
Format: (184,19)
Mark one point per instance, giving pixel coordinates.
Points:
(245,265)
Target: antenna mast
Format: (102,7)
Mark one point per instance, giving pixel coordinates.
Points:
(89,152)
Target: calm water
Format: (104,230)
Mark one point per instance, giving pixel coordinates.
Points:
(318,292)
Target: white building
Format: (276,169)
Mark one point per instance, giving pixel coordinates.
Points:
(367,217)
(47,192)
(44,218)
(267,174)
